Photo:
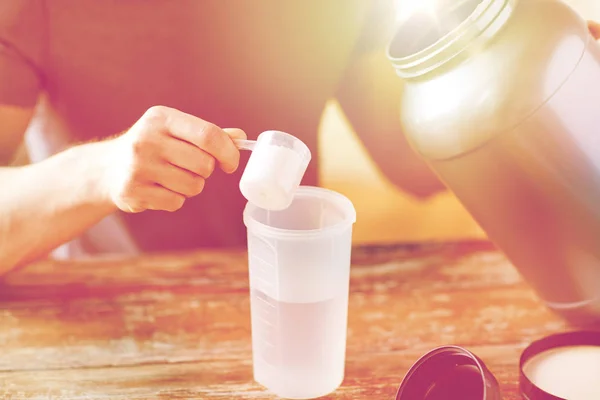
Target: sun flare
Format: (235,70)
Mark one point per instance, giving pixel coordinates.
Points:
(407,8)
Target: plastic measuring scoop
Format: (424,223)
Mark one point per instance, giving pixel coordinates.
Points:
(274,170)
(299,262)
(245,144)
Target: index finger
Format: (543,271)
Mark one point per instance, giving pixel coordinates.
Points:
(204,135)
(594,29)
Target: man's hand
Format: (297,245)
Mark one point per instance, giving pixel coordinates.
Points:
(594,29)
(161,160)
(165,158)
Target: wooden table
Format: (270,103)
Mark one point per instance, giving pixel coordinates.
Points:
(178,326)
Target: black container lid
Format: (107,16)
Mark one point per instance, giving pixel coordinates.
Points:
(449,372)
(452,372)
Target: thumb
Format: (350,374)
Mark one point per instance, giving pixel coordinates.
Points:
(236,133)
(594,29)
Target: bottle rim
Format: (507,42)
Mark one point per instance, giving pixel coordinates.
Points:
(337,201)
(484,22)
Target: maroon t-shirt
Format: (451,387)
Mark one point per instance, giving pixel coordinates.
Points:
(98,65)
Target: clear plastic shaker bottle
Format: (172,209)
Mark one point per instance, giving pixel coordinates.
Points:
(299,261)
(274,170)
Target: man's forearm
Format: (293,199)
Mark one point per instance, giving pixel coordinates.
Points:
(370,96)
(49,203)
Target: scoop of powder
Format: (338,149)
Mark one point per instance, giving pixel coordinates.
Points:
(271,177)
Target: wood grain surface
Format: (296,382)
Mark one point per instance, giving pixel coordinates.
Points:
(178,326)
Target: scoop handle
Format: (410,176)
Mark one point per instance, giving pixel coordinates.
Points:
(245,144)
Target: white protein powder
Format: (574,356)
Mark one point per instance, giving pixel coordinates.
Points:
(569,372)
